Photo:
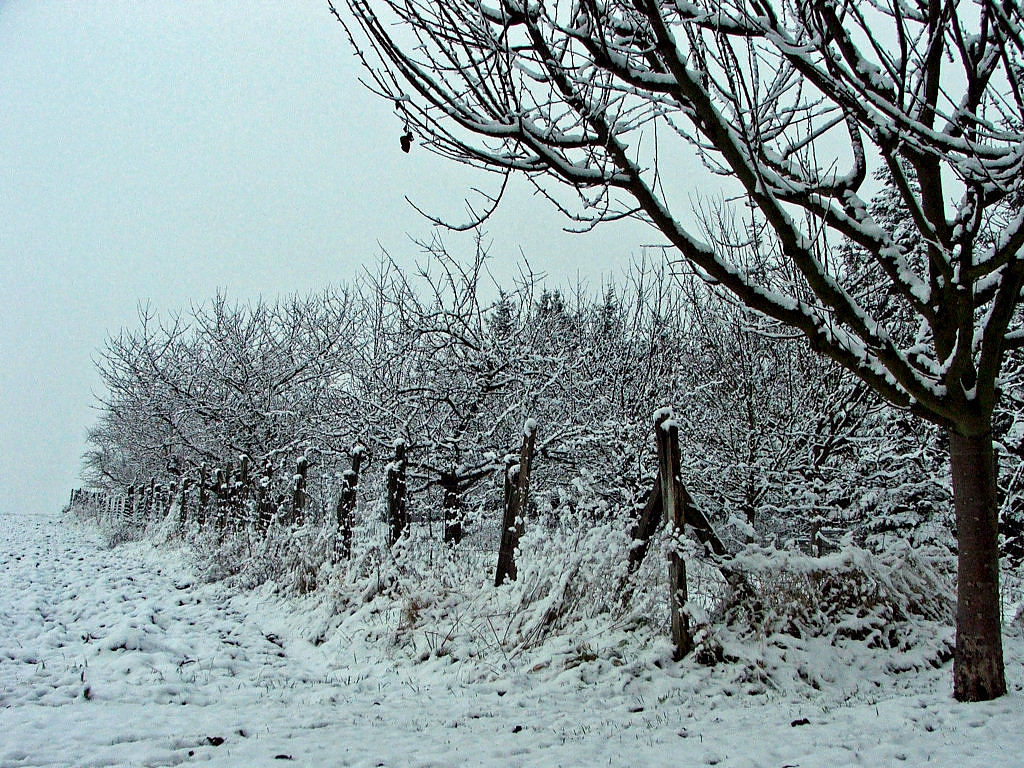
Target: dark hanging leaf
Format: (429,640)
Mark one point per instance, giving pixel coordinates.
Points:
(406,142)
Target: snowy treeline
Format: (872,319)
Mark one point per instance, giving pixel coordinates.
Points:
(273,437)
(775,441)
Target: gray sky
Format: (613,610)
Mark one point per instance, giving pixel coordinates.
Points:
(160,150)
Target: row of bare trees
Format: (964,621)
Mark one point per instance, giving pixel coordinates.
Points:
(450,365)
(399,400)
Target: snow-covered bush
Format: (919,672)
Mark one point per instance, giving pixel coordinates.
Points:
(894,600)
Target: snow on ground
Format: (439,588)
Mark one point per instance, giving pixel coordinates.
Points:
(119,657)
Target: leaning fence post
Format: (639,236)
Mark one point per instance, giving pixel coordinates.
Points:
(517,497)
(398,514)
(666,433)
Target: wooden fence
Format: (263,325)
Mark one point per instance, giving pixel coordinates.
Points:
(242,497)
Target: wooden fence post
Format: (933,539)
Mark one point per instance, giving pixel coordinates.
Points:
(346,509)
(517,499)
(246,515)
(398,514)
(673,499)
(186,485)
(650,519)
(129,511)
(203,499)
(264,504)
(172,492)
(299,497)
(220,490)
(151,500)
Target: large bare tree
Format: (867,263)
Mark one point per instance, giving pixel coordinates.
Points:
(791,103)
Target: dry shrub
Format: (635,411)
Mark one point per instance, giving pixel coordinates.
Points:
(877,599)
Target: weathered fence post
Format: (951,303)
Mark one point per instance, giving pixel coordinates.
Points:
(246,513)
(220,490)
(203,499)
(264,504)
(673,498)
(299,491)
(172,492)
(651,516)
(186,485)
(517,499)
(398,514)
(129,508)
(151,500)
(346,509)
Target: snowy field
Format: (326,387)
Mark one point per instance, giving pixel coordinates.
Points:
(119,657)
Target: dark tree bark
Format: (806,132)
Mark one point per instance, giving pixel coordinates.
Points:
(452,508)
(978,659)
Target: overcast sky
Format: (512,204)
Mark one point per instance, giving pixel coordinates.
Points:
(162,150)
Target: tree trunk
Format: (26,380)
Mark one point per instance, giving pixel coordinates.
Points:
(978,659)
(452,506)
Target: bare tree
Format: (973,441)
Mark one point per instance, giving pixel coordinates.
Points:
(791,102)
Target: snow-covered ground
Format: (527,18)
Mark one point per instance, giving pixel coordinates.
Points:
(120,657)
